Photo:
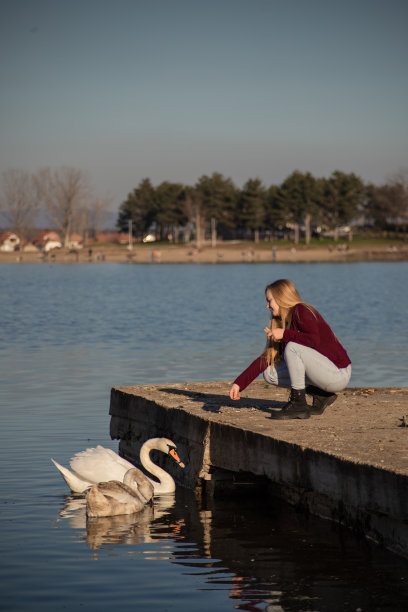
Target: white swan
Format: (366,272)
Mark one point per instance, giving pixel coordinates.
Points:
(100,464)
(114,497)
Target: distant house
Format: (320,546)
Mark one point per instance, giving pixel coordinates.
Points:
(117,237)
(52,244)
(48,240)
(29,247)
(75,241)
(9,242)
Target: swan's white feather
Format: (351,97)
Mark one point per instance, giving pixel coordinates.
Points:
(76,483)
(95,464)
(100,464)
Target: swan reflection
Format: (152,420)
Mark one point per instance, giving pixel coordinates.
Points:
(142,527)
(122,529)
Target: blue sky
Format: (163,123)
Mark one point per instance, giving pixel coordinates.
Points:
(174,89)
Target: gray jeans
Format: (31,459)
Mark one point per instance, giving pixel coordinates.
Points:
(302,366)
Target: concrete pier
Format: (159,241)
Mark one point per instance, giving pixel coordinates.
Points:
(348,465)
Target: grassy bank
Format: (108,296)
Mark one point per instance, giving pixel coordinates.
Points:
(360,249)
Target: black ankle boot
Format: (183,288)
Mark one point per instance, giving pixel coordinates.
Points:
(321,399)
(296,408)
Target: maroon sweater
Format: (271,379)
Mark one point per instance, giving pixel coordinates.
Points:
(310,329)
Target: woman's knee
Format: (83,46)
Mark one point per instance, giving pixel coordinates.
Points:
(291,347)
(277,375)
(340,382)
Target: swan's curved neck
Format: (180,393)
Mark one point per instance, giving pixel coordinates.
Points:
(166,483)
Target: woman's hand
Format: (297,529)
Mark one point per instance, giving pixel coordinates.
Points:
(275,334)
(234,393)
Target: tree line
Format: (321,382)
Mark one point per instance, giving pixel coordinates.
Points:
(215,204)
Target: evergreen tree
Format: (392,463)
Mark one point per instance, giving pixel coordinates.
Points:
(169,213)
(343,195)
(297,199)
(274,214)
(251,207)
(139,208)
(217,197)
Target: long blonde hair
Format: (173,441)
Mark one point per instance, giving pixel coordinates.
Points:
(286,296)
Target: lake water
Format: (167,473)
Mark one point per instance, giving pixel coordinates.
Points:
(71,332)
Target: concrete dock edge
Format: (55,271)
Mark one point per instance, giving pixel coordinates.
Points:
(314,464)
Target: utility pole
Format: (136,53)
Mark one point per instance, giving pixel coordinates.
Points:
(130,247)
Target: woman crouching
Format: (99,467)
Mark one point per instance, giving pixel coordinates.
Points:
(302,353)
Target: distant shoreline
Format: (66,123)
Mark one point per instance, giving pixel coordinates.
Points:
(222,253)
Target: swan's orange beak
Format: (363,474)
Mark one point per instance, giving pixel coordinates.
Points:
(175,456)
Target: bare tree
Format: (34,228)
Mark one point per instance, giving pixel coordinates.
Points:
(400,177)
(63,193)
(396,191)
(19,201)
(93,215)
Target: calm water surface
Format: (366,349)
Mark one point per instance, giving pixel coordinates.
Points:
(70,333)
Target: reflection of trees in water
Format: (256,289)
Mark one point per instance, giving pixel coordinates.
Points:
(268,556)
